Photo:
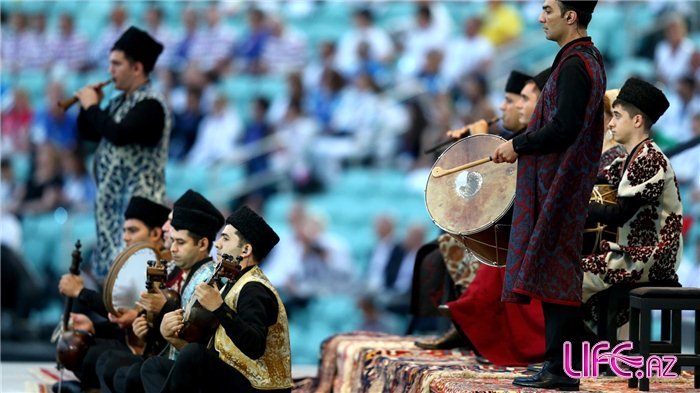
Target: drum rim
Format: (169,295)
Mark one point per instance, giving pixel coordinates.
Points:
(483,227)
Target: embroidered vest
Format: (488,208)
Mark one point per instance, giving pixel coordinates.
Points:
(274,369)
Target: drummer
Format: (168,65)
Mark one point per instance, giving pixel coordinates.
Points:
(648,210)
(143,220)
(479,310)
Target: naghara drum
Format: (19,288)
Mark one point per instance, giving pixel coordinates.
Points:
(474,205)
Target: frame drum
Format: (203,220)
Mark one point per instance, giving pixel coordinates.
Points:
(474,205)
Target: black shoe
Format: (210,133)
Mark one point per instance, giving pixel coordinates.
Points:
(546,380)
(67,387)
(535,367)
(450,340)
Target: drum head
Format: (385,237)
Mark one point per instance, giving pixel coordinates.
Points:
(127,277)
(474,199)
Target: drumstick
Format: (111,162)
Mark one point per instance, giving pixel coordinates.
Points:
(451,141)
(439,172)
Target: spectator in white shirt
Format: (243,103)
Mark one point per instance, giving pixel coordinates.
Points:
(155,27)
(468,53)
(218,132)
(380,46)
(116,27)
(423,37)
(676,124)
(213,44)
(672,55)
(285,49)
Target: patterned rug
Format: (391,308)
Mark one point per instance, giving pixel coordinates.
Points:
(380,363)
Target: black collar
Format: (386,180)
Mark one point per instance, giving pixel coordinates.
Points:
(566,47)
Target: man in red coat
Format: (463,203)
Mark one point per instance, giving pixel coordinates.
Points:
(557,162)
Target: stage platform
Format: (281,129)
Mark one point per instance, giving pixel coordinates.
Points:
(370,362)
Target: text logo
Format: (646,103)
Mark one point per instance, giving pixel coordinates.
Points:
(592,358)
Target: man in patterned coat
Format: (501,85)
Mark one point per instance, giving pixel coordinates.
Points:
(133,133)
(557,163)
(648,212)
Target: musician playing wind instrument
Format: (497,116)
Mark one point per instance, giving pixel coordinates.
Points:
(133,134)
(251,351)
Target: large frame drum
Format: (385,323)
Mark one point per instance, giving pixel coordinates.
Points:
(474,205)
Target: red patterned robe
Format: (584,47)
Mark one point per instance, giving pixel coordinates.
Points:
(650,243)
(553,191)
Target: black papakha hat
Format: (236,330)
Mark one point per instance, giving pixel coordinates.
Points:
(254,229)
(194,212)
(585,6)
(153,214)
(645,96)
(541,78)
(516,82)
(140,46)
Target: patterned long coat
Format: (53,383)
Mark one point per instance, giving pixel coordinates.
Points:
(650,244)
(553,190)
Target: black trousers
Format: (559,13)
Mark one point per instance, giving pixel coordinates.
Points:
(88,370)
(109,363)
(197,369)
(562,323)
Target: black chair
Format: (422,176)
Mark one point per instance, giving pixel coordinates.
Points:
(673,300)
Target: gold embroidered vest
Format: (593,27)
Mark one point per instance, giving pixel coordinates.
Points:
(273,370)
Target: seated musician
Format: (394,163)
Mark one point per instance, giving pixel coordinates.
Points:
(648,212)
(251,351)
(486,322)
(195,222)
(143,219)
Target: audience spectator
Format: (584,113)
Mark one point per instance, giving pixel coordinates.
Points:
(14,40)
(295,92)
(212,44)
(672,55)
(248,52)
(38,48)
(473,102)
(52,124)
(157,29)
(419,40)
(502,23)
(16,123)
(218,132)
(183,44)
(42,191)
(69,49)
(186,125)
(79,190)
(676,125)
(376,42)
(285,49)
(468,53)
(115,28)
(386,242)
(315,69)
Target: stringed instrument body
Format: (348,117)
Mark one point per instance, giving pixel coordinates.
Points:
(199,323)
(72,344)
(156,276)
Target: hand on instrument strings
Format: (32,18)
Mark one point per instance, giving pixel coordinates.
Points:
(125,318)
(171,324)
(89,96)
(152,302)
(70,285)
(140,327)
(505,153)
(81,322)
(478,127)
(208,296)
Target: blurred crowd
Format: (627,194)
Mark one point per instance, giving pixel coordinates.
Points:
(365,93)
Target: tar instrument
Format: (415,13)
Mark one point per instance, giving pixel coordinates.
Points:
(68,102)
(604,194)
(473,202)
(156,276)
(199,323)
(72,344)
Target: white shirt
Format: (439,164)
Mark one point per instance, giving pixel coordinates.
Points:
(464,55)
(216,136)
(380,47)
(671,65)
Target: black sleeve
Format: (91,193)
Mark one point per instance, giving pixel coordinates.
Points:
(143,125)
(87,131)
(614,215)
(92,300)
(109,330)
(573,91)
(247,327)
